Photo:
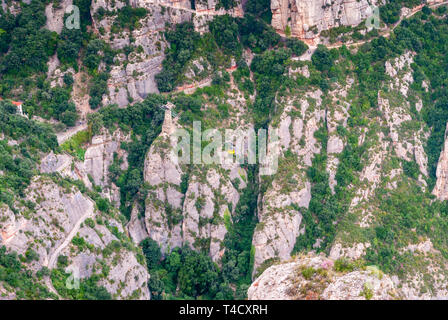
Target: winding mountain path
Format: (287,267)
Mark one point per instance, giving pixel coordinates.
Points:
(68,239)
(53,257)
(387,32)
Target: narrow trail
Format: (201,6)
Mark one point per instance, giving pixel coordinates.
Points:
(68,239)
(387,33)
(64,136)
(53,257)
(190,88)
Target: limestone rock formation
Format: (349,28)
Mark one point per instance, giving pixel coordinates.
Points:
(279,213)
(208,203)
(311,277)
(136,226)
(195,215)
(55,15)
(98,158)
(441,188)
(60,216)
(57,213)
(164,202)
(133,76)
(307,18)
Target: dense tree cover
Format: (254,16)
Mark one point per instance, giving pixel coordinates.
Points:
(53,103)
(29,44)
(269,72)
(322,59)
(259,8)
(390,12)
(14,274)
(228,36)
(226,4)
(18,162)
(69,46)
(225,32)
(7,25)
(88,288)
(192,272)
(256,34)
(188,274)
(183,42)
(84,13)
(152,252)
(231,34)
(297,46)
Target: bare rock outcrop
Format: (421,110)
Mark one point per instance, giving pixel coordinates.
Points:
(441,188)
(208,203)
(163,213)
(311,277)
(132,78)
(55,15)
(98,158)
(136,226)
(58,219)
(56,215)
(279,209)
(187,212)
(307,18)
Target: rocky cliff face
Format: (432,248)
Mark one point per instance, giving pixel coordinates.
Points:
(94,170)
(279,216)
(187,205)
(59,217)
(132,78)
(315,277)
(99,157)
(163,214)
(441,188)
(381,171)
(307,18)
(388,152)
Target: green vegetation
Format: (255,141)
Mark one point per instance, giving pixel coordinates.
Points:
(88,288)
(29,44)
(269,72)
(18,161)
(14,275)
(260,9)
(183,42)
(75,144)
(227,38)
(187,274)
(145,119)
